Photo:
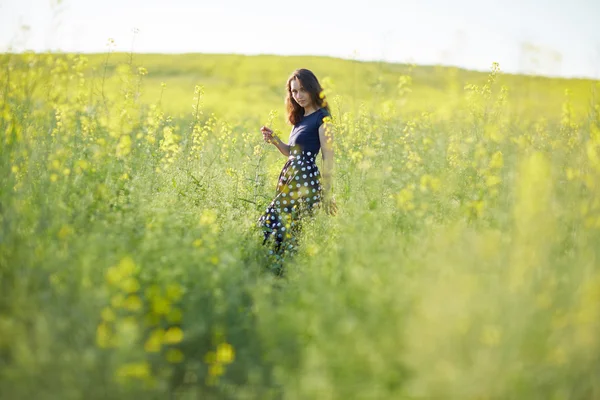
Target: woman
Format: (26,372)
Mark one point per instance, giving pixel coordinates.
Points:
(301,187)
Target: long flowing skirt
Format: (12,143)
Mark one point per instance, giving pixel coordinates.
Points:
(298,194)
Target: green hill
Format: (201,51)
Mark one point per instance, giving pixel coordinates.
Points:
(239,87)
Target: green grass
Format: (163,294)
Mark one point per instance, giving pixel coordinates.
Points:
(240,87)
(463,262)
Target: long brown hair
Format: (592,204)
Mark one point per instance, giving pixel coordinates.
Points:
(311,84)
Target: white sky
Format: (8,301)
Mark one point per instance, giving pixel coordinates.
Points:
(549,37)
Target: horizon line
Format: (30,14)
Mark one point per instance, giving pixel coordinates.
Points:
(358,59)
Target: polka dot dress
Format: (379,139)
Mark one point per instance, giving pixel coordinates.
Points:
(298,193)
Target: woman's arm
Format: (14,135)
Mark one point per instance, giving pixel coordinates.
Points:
(283,148)
(326,138)
(271,138)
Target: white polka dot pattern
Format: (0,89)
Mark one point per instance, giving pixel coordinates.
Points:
(299,192)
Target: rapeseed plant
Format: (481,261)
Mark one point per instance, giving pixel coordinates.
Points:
(463,266)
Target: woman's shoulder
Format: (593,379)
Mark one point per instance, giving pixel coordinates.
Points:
(323,113)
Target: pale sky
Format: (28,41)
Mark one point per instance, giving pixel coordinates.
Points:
(547,37)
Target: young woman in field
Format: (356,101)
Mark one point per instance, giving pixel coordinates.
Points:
(301,187)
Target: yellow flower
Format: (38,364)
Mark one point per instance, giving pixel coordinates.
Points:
(225,353)
(404,199)
(82,165)
(216,370)
(113,275)
(130,285)
(173,335)
(124,146)
(108,314)
(117,300)
(154,342)
(161,306)
(492,181)
(475,207)
(132,303)
(208,217)
(497,160)
(127,266)
(103,335)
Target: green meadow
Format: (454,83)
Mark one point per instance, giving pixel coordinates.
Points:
(463,263)
(243,88)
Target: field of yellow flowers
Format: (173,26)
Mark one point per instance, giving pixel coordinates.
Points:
(464,262)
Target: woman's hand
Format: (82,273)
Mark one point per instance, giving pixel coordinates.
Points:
(329,204)
(267,134)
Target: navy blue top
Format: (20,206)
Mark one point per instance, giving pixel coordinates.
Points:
(305,135)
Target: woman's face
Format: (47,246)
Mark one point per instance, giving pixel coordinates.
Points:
(299,94)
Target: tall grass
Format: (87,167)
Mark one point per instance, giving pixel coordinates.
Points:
(463,262)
